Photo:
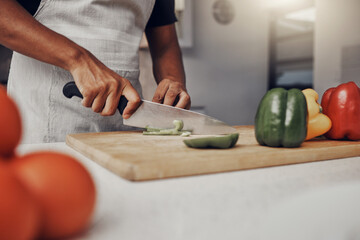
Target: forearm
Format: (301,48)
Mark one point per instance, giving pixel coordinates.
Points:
(20,32)
(166,55)
(168,67)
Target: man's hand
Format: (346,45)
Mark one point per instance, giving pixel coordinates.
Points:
(172,93)
(102,88)
(168,67)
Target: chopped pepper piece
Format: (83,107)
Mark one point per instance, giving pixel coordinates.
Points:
(167,132)
(179,124)
(318,123)
(227,141)
(177,130)
(185,134)
(342,105)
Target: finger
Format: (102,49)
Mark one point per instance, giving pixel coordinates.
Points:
(134,101)
(160,93)
(88,97)
(111,104)
(170,97)
(99,102)
(100,99)
(184,100)
(112,95)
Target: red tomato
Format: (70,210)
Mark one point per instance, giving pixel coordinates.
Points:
(63,188)
(19,213)
(10,124)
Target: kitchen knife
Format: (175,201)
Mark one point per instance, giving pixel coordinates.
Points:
(161,116)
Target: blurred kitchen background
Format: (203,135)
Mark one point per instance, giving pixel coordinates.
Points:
(235,50)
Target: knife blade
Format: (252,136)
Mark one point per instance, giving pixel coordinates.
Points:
(161,116)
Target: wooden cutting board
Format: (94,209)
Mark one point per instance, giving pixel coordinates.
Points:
(136,157)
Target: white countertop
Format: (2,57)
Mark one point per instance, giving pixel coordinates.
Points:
(319,200)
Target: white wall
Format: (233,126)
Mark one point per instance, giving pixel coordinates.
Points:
(226,68)
(337,43)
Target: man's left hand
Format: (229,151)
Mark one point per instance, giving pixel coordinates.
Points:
(172,93)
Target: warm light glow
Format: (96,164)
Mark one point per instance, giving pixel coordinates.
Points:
(307,15)
(280,3)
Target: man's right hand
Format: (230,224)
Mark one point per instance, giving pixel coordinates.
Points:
(102,88)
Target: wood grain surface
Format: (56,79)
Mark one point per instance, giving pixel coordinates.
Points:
(136,157)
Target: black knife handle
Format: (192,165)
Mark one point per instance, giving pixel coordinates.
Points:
(70,89)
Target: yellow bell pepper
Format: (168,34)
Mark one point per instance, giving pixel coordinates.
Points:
(318,123)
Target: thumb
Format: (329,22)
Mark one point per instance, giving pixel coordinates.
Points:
(133,98)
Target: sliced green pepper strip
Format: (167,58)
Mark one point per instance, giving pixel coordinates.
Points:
(172,131)
(227,141)
(165,132)
(153,129)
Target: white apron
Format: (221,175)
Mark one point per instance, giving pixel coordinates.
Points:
(109,29)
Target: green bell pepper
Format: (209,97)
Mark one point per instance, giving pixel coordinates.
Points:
(281,118)
(227,141)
